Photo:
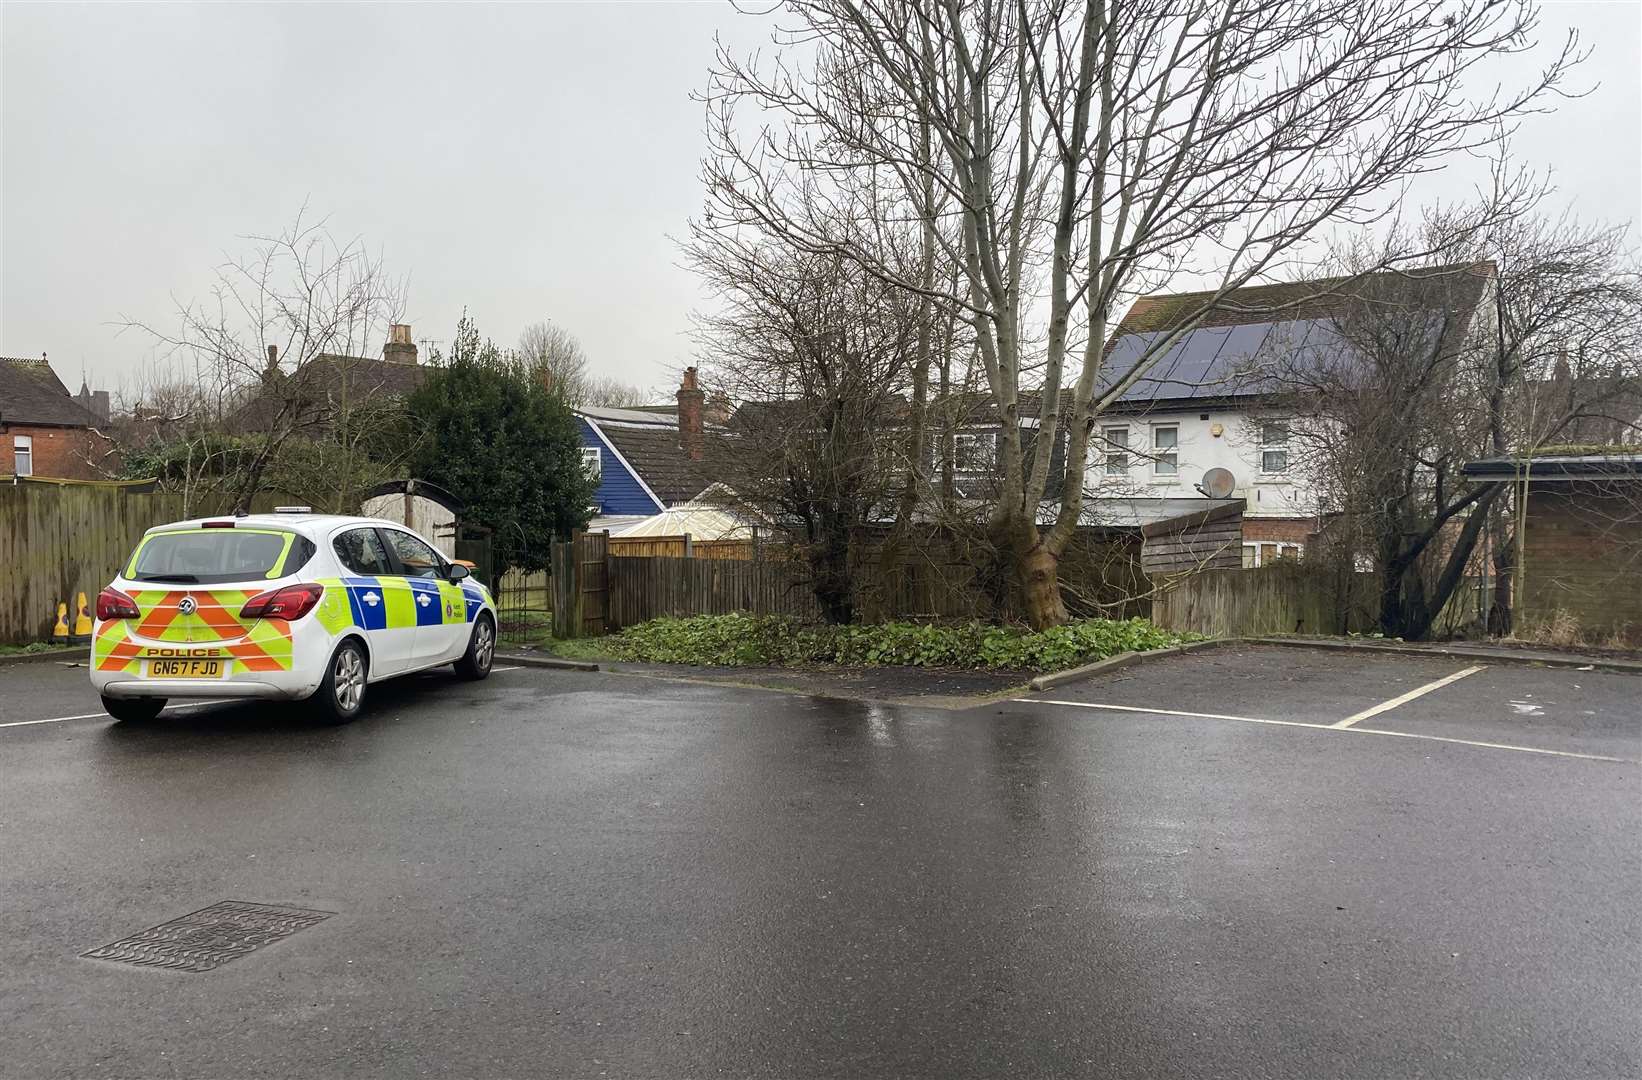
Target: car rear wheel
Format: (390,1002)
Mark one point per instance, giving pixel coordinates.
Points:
(475,663)
(341,694)
(133,710)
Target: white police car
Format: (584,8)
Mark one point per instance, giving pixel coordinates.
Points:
(291,605)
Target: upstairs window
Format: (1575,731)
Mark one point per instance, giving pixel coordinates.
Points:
(22,455)
(1117,450)
(592,462)
(1166,450)
(972,452)
(1274,446)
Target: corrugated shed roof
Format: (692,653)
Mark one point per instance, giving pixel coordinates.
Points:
(31,393)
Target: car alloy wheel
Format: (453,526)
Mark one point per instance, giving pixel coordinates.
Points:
(348,680)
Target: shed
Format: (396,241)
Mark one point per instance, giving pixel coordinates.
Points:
(1581,539)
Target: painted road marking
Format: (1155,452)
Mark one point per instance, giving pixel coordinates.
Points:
(1333,727)
(168,708)
(95,715)
(1403,699)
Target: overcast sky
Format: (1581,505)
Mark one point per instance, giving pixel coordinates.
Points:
(524,162)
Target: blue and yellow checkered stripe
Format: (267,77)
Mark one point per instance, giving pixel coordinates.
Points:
(388,603)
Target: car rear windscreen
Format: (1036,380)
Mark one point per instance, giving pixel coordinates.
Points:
(215,556)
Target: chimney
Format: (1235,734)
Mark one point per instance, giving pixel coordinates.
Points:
(690,401)
(273,357)
(400,349)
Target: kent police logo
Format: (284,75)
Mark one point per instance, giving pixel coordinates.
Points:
(186,606)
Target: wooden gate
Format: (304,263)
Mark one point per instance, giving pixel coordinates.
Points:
(581,585)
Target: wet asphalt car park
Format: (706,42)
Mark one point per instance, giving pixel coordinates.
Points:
(1244,862)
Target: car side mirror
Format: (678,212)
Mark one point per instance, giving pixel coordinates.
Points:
(458,572)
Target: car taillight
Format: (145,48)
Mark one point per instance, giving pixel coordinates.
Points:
(114,604)
(291,602)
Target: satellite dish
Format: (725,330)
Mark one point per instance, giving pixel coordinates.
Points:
(1217,483)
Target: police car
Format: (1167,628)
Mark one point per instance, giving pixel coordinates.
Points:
(289,605)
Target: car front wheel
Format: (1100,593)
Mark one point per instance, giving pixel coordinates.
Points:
(475,663)
(341,694)
(133,710)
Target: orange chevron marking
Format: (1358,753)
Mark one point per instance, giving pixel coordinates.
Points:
(160,616)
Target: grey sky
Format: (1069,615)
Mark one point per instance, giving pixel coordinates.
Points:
(526,162)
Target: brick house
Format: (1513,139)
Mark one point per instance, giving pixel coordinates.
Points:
(44,430)
(1582,541)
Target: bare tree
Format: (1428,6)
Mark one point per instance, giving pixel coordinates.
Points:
(1528,333)
(611,393)
(1388,404)
(1083,154)
(556,359)
(257,348)
(1567,358)
(820,354)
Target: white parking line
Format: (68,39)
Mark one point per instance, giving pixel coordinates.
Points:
(95,715)
(1403,699)
(514,667)
(1332,727)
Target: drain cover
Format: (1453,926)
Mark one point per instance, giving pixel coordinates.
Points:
(210,937)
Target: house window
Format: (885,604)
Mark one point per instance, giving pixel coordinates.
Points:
(1166,450)
(1117,450)
(1266,552)
(22,452)
(591,462)
(972,452)
(1274,446)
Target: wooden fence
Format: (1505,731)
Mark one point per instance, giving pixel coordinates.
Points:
(58,542)
(643,589)
(1287,598)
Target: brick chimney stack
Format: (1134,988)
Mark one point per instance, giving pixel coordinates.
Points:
(400,349)
(690,402)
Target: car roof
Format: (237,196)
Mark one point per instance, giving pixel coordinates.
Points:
(310,525)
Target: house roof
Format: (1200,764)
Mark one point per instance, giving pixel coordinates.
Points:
(1221,356)
(366,375)
(31,393)
(650,445)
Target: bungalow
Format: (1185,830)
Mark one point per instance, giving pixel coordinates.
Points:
(646,460)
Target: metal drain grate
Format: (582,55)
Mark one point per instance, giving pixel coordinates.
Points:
(210,937)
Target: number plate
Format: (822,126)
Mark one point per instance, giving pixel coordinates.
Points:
(184,669)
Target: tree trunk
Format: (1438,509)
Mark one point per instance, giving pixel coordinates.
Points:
(1501,617)
(1036,567)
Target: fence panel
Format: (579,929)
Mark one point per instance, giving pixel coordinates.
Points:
(724,549)
(650,588)
(627,547)
(1280,599)
(58,541)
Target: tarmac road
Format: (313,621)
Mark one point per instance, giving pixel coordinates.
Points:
(556,874)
